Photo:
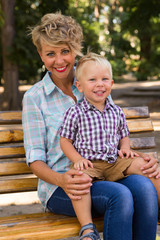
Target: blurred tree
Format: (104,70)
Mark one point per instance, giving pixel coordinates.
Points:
(20,58)
(126,32)
(138,21)
(26,54)
(11,98)
(87,13)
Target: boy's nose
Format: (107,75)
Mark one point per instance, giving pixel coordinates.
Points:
(99,83)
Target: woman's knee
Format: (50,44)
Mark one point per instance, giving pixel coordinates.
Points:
(112,196)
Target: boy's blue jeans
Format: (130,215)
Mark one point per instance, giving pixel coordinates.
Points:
(129,206)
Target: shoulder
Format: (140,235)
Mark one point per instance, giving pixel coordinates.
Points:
(116,108)
(35,91)
(74,109)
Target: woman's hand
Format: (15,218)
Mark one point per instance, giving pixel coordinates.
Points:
(151,168)
(75,183)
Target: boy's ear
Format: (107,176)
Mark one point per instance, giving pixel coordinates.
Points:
(78,85)
(112,82)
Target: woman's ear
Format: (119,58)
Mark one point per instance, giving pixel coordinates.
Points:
(78,85)
(40,54)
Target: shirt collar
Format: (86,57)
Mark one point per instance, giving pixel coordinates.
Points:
(88,106)
(49,85)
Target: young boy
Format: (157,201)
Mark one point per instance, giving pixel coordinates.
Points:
(94,129)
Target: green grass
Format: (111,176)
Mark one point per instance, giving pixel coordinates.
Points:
(158,238)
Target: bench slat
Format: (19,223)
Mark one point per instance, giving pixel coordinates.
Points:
(16,135)
(13,168)
(42,226)
(18,183)
(11,135)
(12,151)
(142,143)
(140,125)
(136,112)
(7,117)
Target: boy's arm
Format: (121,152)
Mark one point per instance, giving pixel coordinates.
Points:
(71,153)
(125,150)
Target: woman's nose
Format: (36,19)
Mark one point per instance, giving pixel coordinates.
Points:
(59,59)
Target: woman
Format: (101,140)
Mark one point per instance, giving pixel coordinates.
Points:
(126,205)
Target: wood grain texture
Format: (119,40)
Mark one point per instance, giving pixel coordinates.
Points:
(18,183)
(13,167)
(140,125)
(136,112)
(10,117)
(11,135)
(42,226)
(12,151)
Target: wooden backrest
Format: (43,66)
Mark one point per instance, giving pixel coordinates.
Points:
(16,176)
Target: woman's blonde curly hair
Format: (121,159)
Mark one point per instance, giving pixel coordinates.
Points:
(56,29)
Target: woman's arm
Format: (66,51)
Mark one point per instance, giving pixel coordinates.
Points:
(74,187)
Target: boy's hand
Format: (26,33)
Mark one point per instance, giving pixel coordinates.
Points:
(125,152)
(83,163)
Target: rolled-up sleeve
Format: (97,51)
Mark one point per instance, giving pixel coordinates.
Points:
(34,130)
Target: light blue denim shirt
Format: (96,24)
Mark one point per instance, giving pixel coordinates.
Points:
(44,106)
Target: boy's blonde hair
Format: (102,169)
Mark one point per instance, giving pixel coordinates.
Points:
(56,29)
(95,58)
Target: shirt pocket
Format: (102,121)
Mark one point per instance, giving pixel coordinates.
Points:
(53,124)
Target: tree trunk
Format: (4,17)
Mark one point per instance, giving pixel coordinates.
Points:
(11,96)
(145,54)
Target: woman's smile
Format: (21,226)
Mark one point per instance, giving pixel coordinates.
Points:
(60,69)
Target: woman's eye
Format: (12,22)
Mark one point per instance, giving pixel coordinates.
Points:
(66,51)
(50,54)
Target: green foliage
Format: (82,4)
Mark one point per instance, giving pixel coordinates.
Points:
(142,19)
(127,32)
(83,12)
(28,13)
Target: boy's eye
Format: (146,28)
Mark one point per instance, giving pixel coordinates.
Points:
(105,79)
(92,79)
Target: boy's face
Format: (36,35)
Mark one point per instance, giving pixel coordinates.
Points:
(95,82)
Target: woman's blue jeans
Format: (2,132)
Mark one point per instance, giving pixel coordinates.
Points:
(129,206)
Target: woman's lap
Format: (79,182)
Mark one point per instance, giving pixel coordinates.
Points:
(117,201)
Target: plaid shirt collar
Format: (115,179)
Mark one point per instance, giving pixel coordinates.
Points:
(88,106)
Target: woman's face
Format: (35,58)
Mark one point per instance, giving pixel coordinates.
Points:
(58,60)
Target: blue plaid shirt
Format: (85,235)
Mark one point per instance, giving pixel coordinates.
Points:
(44,106)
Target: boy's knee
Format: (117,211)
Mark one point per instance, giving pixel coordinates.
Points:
(135,167)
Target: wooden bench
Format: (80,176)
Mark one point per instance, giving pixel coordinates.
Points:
(15,176)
